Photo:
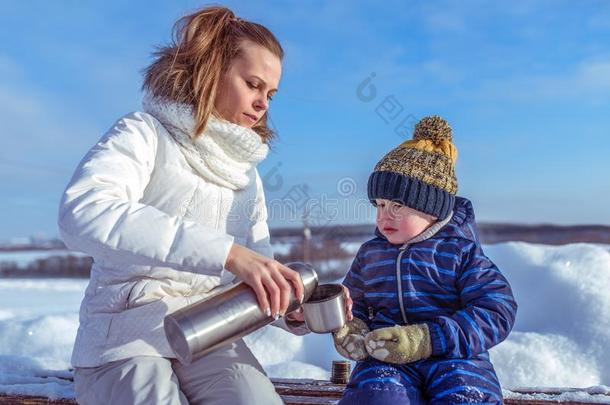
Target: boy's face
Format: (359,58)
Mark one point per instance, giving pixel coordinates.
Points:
(399,223)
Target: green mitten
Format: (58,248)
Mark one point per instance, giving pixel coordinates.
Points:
(349,340)
(399,344)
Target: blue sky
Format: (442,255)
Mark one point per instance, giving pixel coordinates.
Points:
(525,86)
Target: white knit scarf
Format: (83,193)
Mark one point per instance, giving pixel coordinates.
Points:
(224,153)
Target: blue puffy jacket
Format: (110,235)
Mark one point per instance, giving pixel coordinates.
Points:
(445,281)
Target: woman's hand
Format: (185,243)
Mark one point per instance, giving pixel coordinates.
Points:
(270,279)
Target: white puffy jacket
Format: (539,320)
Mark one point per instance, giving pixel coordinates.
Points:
(159,235)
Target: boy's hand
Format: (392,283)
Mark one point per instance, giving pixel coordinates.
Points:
(348,304)
(399,344)
(297,315)
(349,340)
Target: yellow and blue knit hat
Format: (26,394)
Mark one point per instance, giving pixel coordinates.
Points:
(419,173)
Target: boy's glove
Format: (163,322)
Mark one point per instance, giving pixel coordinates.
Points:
(349,340)
(399,344)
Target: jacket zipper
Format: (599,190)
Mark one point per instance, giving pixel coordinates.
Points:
(403,248)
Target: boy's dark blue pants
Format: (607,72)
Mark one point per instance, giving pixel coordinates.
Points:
(432,381)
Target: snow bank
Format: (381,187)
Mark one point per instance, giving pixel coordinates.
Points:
(562,333)
(24,375)
(561,336)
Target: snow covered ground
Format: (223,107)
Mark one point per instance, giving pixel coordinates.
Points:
(561,337)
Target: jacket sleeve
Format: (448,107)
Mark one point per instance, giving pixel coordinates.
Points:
(355,284)
(487,312)
(259,239)
(99,212)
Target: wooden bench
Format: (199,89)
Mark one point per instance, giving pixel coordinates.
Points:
(319,392)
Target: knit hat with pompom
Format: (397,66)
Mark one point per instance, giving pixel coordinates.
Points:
(419,173)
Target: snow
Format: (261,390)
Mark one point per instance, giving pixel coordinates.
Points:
(330,265)
(560,338)
(562,331)
(526,355)
(24,375)
(281,248)
(351,247)
(592,395)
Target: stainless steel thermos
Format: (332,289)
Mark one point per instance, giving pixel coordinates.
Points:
(226,316)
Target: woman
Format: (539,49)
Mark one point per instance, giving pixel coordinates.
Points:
(170,206)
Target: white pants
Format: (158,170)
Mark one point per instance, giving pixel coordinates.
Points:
(230,375)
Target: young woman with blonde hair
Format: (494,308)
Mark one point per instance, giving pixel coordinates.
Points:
(170,205)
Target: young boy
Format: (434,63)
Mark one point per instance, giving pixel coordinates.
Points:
(428,303)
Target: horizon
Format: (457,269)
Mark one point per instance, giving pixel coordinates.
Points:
(32,240)
(525,87)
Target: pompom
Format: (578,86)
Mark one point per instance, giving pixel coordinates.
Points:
(434,128)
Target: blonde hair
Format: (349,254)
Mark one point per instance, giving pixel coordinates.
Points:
(189,70)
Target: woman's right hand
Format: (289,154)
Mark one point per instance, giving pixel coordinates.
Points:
(270,279)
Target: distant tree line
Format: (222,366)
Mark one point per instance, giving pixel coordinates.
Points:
(69,266)
(323,248)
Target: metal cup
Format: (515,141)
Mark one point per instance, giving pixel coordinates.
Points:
(324,312)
